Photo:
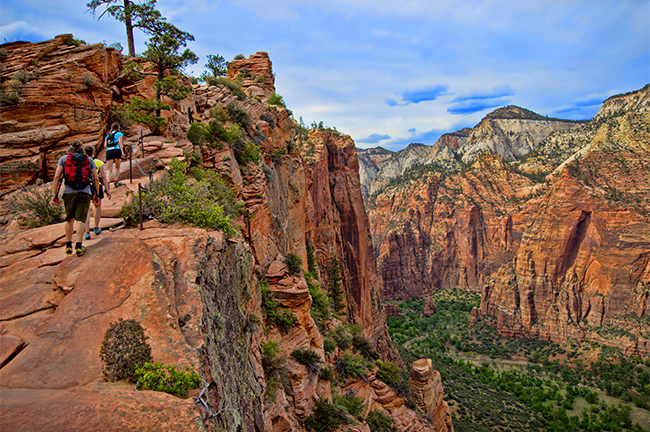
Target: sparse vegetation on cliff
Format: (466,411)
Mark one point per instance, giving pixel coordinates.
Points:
(206,202)
(158,377)
(35,209)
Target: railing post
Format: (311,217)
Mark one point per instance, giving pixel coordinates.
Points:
(140,200)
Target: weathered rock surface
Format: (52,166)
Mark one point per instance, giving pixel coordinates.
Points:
(428,394)
(62,97)
(255,73)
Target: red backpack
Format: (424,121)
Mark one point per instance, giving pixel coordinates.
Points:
(77,171)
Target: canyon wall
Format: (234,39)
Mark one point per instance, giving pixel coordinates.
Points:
(556,240)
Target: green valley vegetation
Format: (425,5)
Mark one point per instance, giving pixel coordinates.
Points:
(514,384)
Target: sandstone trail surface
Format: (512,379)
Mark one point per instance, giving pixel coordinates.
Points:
(548,219)
(202,297)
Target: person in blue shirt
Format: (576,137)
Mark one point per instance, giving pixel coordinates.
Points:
(114,142)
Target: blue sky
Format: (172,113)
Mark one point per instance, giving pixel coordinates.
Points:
(390,73)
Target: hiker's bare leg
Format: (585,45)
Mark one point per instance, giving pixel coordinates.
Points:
(98,214)
(87,222)
(109,169)
(69,228)
(118,162)
(80,231)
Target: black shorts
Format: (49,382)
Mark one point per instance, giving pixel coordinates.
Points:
(113,154)
(101,190)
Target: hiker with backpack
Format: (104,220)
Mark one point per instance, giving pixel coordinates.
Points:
(77,171)
(103,184)
(114,145)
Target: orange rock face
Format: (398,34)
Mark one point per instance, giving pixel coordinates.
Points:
(62,97)
(256,74)
(427,391)
(442,232)
(338,227)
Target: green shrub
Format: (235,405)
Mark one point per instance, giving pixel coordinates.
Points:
(325,417)
(329,345)
(363,347)
(276,99)
(124,348)
(143,111)
(377,421)
(219,113)
(238,115)
(335,285)
(352,366)
(120,115)
(293,262)
(8,98)
(306,356)
(353,405)
(70,41)
(319,303)
(312,265)
(88,80)
(274,370)
(389,373)
(283,320)
(341,336)
(244,73)
(197,133)
(217,132)
(326,374)
(166,379)
(239,57)
(207,203)
(22,76)
(36,209)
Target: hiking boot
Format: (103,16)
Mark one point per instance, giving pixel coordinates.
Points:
(118,183)
(98,231)
(80,250)
(87,236)
(68,250)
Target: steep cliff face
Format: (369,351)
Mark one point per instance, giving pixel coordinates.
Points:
(583,264)
(197,294)
(339,229)
(444,231)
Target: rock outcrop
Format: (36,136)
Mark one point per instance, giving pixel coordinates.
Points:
(61,96)
(428,394)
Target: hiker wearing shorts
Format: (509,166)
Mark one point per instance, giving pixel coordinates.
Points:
(114,144)
(77,173)
(103,184)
